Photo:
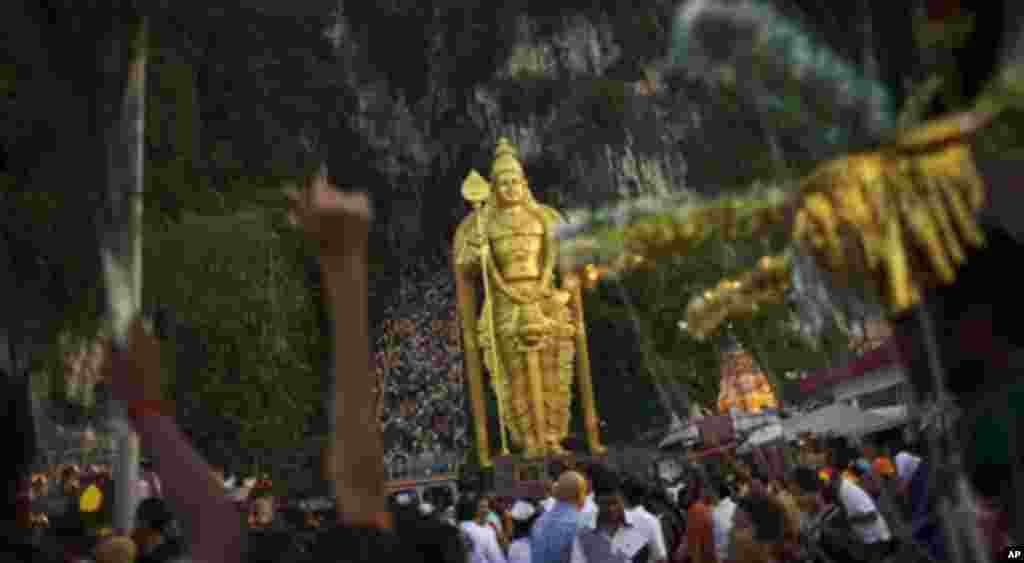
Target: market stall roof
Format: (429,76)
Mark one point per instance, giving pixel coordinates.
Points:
(895,416)
(837,419)
(716,429)
(762,436)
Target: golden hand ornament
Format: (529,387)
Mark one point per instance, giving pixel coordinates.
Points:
(903,216)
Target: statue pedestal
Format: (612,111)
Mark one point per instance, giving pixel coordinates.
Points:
(518,477)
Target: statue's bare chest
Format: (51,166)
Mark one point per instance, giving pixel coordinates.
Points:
(517,240)
(515,222)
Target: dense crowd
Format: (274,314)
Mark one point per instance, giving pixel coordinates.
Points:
(835,503)
(418,362)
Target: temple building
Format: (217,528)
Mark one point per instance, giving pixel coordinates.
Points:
(748,399)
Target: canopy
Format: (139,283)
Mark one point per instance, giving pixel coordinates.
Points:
(895,416)
(837,419)
(764,435)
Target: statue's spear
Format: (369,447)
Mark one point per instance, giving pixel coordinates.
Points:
(476,190)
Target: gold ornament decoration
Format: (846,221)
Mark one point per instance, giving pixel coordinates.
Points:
(506,159)
(739,297)
(902,216)
(674,228)
(475,189)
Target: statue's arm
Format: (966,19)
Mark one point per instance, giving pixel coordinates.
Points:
(552,220)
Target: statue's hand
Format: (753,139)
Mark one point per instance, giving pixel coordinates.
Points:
(338,222)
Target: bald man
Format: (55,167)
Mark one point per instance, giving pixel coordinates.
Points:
(553,533)
(118,549)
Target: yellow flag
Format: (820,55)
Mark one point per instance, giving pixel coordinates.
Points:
(91,500)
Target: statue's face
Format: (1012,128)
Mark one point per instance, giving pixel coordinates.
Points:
(511,188)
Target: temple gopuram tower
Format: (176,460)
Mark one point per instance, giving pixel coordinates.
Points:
(746,395)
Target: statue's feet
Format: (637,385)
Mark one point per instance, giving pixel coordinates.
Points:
(533,449)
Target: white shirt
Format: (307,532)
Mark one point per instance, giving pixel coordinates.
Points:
(620,547)
(722,519)
(485,543)
(548,503)
(519,551)
(652,526)
(588,514)
(857,502)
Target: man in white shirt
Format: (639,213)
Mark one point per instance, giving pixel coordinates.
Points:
(722,514)
(472,515)
(549,501)
(636,494)
(617,537)
(865,520)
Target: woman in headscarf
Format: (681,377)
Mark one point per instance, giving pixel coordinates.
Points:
(472,514)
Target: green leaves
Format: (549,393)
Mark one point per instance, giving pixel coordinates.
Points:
(657,300)
(241,286)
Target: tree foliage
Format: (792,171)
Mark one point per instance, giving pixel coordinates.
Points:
(239,283)
(653,302)
(238,100)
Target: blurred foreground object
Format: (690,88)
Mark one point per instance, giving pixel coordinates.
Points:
(767,283)
(902,216)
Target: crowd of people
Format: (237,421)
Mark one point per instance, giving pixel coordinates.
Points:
(416,361)
(848,505)
(835,503)
(70,518)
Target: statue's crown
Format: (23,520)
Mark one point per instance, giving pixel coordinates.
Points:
(505,159)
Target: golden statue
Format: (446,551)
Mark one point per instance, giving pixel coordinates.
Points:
(529,333)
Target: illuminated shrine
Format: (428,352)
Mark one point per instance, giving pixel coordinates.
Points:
(743,387)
